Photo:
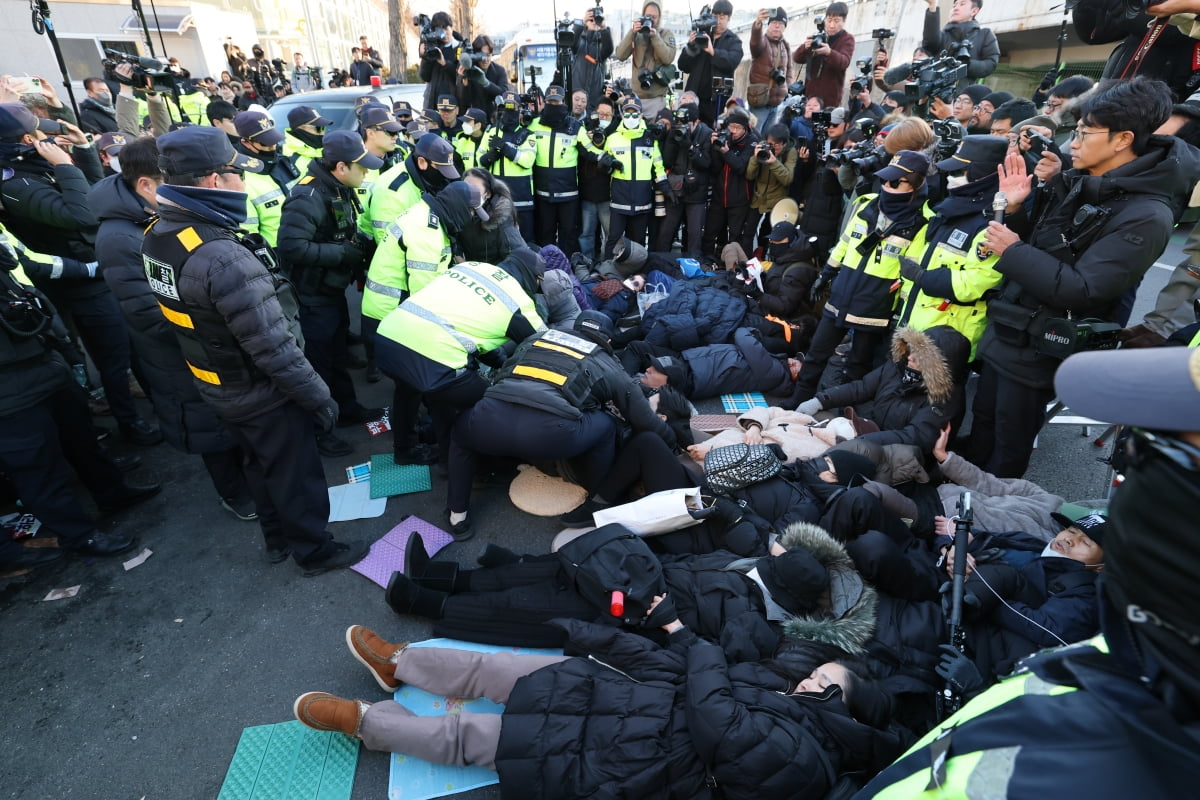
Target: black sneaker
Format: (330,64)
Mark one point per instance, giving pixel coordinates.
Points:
(344,554)
(581,516)
(141,432)
(101,545)
(277,555)
(243,508)
(330,446)
(461,531)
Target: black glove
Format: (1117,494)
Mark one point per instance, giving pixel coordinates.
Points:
(668,191)
(970,601)
(911,270)
(326,416)
(1050,78)
(487,159)
(609,164)
(957,670)
(663,613)
(826,278)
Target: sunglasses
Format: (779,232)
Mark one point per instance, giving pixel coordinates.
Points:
(1143,444)
(631,114)
(237,172)
(393,134)
(895,183)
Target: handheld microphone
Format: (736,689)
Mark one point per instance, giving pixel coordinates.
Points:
(999,203)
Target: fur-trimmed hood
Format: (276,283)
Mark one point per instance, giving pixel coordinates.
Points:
(1066,116)
(942,353)
(850,621)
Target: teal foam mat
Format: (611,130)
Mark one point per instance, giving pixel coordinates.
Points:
(289,761)
(389,478)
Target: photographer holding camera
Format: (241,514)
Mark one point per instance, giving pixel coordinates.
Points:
(770,173)
(828,56)
(480,79)
(770,66)
(712,51)
(728,217)
(963,38)
(593,47)
(651,48)
(439,56)
(689,162)
(1092,233)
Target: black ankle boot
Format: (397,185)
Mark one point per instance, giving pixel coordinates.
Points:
(405,596)
(441,576)
(416,558)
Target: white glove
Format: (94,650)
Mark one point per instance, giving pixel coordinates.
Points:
(810,407)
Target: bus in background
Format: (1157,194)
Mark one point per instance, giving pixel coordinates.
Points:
(530,48)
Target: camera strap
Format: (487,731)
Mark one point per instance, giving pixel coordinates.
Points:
(1135,63)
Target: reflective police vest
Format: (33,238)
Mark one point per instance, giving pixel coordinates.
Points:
(517,171)
(463,311)
(556,165)
(552,359)
(864,292)
(195,106)
(415,251)
(264,206)
(958,247)
(363,192)
(299,154)
(211,352)
(641,166)
(468,150)
(21,337)
(393,193)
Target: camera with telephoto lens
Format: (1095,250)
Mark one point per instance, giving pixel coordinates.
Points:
(598,15)
(657,129)
(595,129)
(704,25)
(778,76)
(860,83)
(433,38)
(820,37)
(662,76)
(763,151)
(930,78)
(144,69)
(722,138)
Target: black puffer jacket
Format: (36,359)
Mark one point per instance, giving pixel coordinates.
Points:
(95,118)
(224,277)
(692,315)
(744,366)
(916,414)
(1045,279)
(786,284)
(1169,59)
(649,723)
(985,50)
(186,421)
(318,248)
(692,161)
(492,241)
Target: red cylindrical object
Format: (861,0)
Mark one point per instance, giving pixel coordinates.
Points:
(616,606)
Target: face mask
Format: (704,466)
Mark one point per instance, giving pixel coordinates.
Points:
(776,251)
(631,123)
(268,159)
(468,129)
(911,378)
(1050,552)
(509,119)
(104,98)
(434,180)
(114,164)
(553,115)
(955,181)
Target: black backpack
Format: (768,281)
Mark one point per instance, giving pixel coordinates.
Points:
(613,559)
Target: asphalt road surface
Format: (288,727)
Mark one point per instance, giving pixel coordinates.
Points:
(141,684)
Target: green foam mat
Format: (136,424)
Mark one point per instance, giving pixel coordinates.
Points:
(289,761)
(389,478)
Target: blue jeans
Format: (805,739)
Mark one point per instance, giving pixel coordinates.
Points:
(593,212)
(766,116)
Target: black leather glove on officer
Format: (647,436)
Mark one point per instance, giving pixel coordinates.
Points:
(326,416)
(958,670)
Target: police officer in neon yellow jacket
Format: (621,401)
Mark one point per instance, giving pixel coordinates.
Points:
(468,141)
(947,271)
(509,152)
(266,190)
(302,140)
(864,269)
(380,132)
(418,246)
(428,168)
(432,342)
(637,168)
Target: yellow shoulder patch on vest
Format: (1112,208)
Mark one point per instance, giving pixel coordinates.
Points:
(307,179)
(540,374)
(189,239)
(204,375)
(559,349)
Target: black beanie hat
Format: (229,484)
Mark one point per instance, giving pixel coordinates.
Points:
(795,579)
(849,466)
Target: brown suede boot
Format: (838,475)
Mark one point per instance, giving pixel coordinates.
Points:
(325,712)
(375,654)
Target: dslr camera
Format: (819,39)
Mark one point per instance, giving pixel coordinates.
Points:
(598,15)
(431,37)
(820,37)
(763,151)
(595,128)
(778,76)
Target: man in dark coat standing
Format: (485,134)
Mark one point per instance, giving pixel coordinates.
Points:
(235,320)
(711,56)
(962,28)
(829,60)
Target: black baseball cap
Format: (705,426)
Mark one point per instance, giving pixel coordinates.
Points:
(307,115)
(198,150)
(16,120)
(904,164)
(348,146)
(258,127)
(439,152)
